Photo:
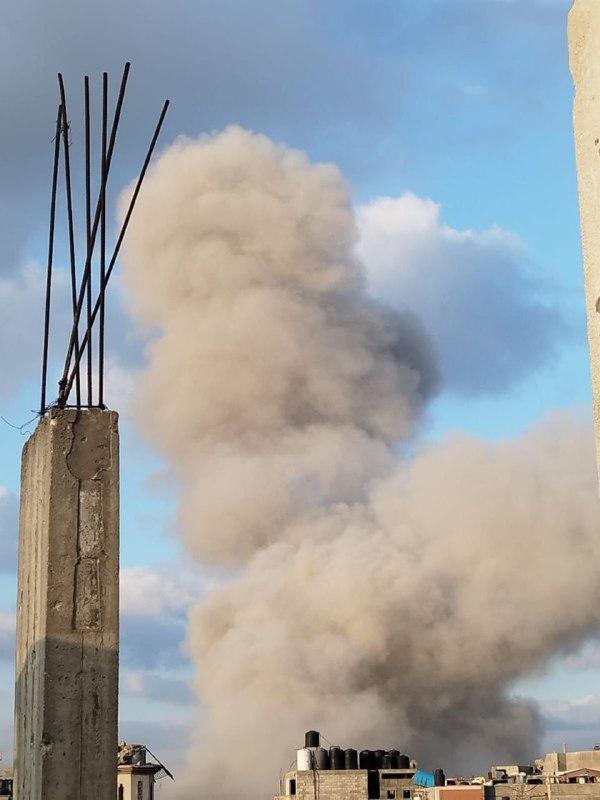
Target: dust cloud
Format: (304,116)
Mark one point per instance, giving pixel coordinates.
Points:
(385,592)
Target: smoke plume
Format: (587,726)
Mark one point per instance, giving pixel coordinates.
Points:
(389,597)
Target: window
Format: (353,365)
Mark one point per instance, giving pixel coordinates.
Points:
(406,794)
(391,794)
(140,791)
(121,792)
(293,786)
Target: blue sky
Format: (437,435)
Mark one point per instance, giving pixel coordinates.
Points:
(466,103)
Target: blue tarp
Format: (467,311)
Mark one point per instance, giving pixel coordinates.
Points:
(424,778)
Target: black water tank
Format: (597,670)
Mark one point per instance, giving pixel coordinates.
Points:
(403,762)
(366,759)
(379,756)
(394,756)
(351,759)
(439,778)
(321,758)
(336,758)
(386,761)
(312,739)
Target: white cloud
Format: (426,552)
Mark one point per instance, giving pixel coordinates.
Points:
(474,291)
(21,319)
(152,591)
(9,530)
(147,643)
(588,657)
(579,713)
(22,298)
(7,634)
(158,687)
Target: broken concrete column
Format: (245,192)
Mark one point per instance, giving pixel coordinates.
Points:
(584,48)
(68,609)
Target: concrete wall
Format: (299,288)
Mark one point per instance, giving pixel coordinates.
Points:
(332,785)
(67,615)
(574,759)
(343,784)
(136,784)
(579,759)
(540,791)
(554,762)
(584,47)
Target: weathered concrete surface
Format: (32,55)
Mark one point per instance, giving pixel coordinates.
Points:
(584,48)
(68,615)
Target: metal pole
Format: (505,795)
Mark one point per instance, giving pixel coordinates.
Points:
(102,244)
(65,133)
(50,260)
(88,228)
(65,383)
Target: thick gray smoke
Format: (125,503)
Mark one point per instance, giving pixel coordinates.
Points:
(388,601)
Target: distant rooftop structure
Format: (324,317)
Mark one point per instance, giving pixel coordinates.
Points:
(136,776)
(556,763)
(335,773)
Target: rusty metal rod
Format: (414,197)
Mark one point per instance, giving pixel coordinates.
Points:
(132,202)
(50,260)
(71,226)
(88,226)
(102,244)
(65,384)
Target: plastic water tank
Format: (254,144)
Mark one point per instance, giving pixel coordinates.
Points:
(321,758)
(403,762)
(439,777)
(304,760)
(350,759)
(394,757)
(336,758)
(379,757)
(312,739)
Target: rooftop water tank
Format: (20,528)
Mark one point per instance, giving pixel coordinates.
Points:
(312,739)
(304,760)
(336,758)
(321,758)
(366,759)
(394,757)
(350,759)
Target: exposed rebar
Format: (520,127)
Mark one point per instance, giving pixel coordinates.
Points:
(82,286)
(50,259)
(132,202)
(65,384)
(102,244)
(71,227)
(88,230)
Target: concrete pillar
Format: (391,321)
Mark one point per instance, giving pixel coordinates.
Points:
(68,609)
(584,49)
